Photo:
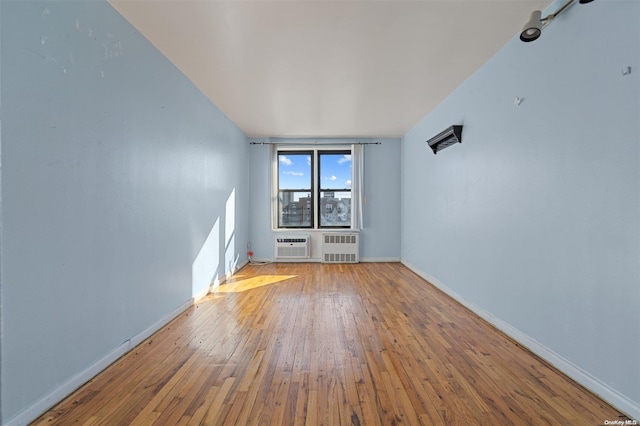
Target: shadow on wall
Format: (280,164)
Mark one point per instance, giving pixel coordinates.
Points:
(206,270)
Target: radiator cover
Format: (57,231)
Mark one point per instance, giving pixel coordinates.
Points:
(340,247)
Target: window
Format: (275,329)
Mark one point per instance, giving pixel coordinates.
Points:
(334,189)
(314,188)
(295,189)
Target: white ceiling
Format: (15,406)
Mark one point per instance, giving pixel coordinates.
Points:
(327,68)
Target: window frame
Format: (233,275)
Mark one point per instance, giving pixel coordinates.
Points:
(309,189)
(320,190)
(315,152)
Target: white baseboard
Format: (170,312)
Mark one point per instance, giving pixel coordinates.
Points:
(241,265)
(201,294)
(291,260)
(32,412)
(318,260)
(621,402)
(380,260)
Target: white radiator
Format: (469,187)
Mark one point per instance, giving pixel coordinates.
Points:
(292,247)
(340,248)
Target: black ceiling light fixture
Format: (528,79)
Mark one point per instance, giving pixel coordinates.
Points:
(533,28)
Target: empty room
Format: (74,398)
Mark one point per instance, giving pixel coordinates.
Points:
(320,212)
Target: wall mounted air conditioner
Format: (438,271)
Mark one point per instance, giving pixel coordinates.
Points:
(340,247)
(292,247)
(446,138)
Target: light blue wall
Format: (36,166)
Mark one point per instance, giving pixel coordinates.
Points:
(535,217)
(118,179)
(116,173)
(380,236)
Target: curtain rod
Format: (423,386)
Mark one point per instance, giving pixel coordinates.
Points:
(315,143)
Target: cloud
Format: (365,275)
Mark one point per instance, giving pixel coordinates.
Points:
(331,178)
(348,183)
(345,159)
(284,160)
(308,160)
(293,173)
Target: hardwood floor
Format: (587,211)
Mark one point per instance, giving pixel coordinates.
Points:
(363,344)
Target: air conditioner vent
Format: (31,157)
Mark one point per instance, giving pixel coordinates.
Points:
(292,247)
(446,138)
(292,240)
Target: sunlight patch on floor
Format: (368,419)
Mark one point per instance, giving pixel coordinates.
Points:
(237,284)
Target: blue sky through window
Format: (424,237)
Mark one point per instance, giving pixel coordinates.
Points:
(294,171)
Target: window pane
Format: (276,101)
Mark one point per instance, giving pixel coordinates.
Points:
(294,170)
(335,189)
(335,208)
(294,209)
(335,170)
